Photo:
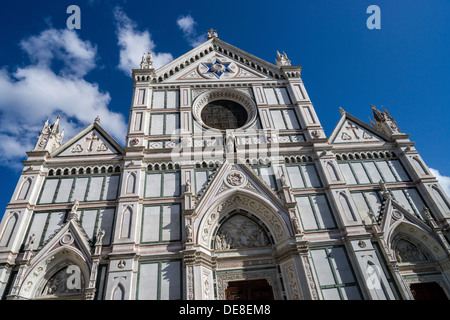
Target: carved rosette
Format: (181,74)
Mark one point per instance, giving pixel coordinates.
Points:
(235,179)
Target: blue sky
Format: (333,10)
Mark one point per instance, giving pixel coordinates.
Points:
(46,69)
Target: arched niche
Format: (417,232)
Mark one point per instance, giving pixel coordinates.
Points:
(62,274)
(407,235)
(131,183)
(8,230)
(207,224)
(125,226)
(118,292)
(24,189)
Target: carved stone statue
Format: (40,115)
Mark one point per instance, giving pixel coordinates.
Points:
(147,61)
(31,241)
(295,223)
(282,59)
(187,186)
(75,205)
(283,181)
(427,213)
(188,231)
(229,140)
(100,235)
(407,252)
(73,211)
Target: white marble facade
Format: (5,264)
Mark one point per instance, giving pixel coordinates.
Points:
(185,209)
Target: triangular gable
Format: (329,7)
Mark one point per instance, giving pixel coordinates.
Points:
(71,234)
(217,60)
(93,140)
(234,177)
(393,213)
(352,130)
(216,66)
(67,247)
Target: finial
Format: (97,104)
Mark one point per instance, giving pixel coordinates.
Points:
(97,120)
(341,110)
(212,34)
(282,59)
(147,61)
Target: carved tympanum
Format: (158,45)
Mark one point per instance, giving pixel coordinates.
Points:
(240,232)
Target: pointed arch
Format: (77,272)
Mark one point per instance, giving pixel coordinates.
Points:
(419,166)
(417,236)
(8,230)
(441,199)
(375,281)
(62,273)
(131,183)
(270,216)
(118,293)
(345,204)
(125,226)
(24,189)
(332,171)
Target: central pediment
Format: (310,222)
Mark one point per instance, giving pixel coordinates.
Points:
(216,66)
(213,60)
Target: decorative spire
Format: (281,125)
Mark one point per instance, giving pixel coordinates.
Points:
(212,34)
(50,136)
(282,59)
(97,120)
(147,61)
(384,122)
(55,126)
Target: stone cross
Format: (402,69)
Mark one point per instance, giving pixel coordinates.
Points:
(353,128)
(91,140)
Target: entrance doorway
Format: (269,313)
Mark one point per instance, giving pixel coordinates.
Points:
(427,291)
(249,290)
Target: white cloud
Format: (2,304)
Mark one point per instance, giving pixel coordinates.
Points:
(64,45)
(134,43)
(51,84)
(444,181)
(187,26)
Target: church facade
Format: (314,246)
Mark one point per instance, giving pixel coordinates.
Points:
(227,188)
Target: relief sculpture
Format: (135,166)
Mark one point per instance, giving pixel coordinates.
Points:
(240,232)
(407,252)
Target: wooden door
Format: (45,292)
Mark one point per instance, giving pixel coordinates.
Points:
(427,291)
(249,290)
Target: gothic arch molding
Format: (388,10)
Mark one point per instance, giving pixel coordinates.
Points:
(418,237)
(63,264)
(207,223)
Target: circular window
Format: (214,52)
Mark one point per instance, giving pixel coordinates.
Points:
(224,109)
(224,114)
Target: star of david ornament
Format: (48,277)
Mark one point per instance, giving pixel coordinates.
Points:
(218,68)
